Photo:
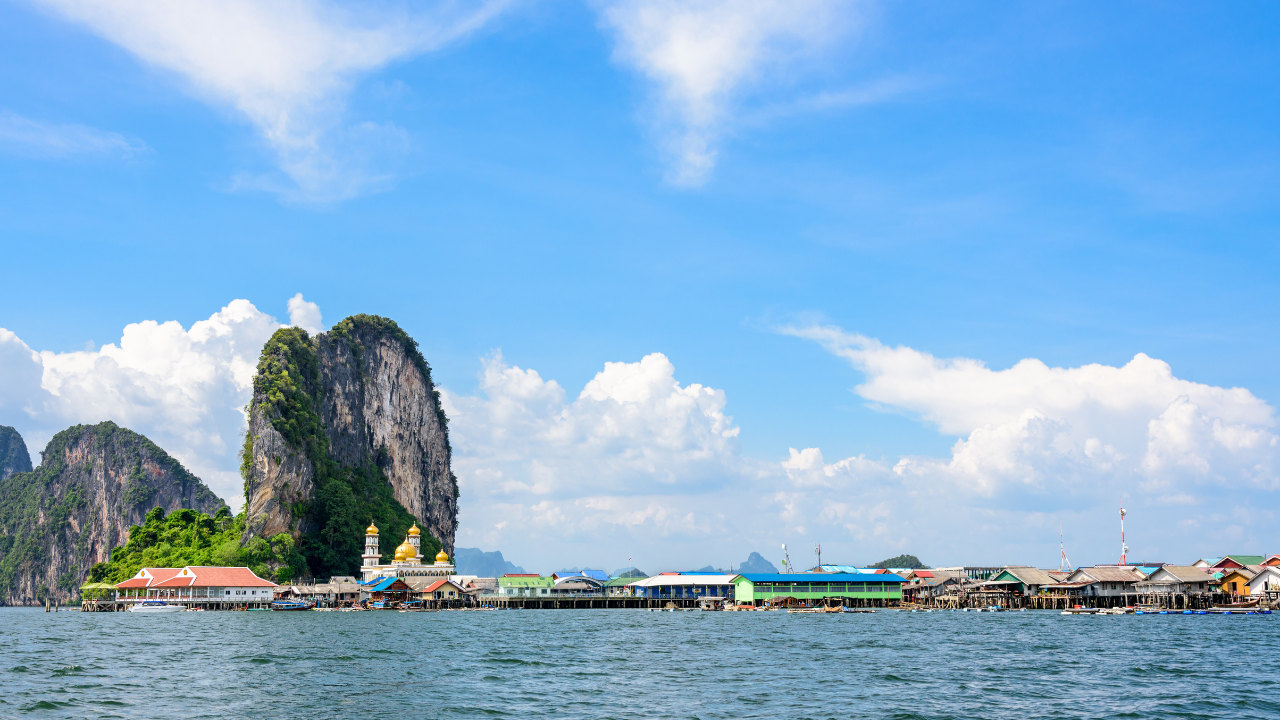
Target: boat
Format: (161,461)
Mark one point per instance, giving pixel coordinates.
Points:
(286,605)
(1078,610)
(156,606)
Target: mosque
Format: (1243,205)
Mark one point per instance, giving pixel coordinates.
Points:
(407,563)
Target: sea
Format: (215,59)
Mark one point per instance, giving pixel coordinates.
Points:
(636,664)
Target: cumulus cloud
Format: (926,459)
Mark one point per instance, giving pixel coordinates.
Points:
(286,66)
(305,315)
(185,388)
(526,437)
(635,457)
(703,56)
(25,136)
(1136,427)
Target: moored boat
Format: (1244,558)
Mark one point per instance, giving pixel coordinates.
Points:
(286,605)
(156,606)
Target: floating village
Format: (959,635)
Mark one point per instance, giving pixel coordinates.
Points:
(1231,584)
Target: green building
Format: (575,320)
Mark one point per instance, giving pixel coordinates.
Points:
(858,589)
(525,585)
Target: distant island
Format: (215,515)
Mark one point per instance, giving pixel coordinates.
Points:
(474,561)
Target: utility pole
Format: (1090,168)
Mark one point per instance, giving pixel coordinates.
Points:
(1064,564)
(1124,549)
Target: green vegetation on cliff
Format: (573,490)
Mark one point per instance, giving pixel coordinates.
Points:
(188,537)
(346,499)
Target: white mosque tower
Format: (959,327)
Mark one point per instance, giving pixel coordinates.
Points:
(371,555)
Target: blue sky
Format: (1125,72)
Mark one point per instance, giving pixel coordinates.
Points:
(1071,183)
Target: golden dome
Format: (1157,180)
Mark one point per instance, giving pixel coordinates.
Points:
(414,531)
(406,551)
(371,530)
(442,557)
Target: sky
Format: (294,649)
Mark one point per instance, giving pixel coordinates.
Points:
(696,279)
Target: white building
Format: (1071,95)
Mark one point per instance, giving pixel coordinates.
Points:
(198,585)
(1266,582)
(407,561)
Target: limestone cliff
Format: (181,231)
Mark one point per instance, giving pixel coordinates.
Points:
(345,429)
(93,483)
(14,457)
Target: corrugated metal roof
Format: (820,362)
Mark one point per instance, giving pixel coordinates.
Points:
(1028,575)
(1182,573)
(1242,559)
(380,584)
(684,580)
(822,577)
(1112,573)
(600,575)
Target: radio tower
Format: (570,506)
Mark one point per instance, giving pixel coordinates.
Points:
(1124,549)
(1064,564)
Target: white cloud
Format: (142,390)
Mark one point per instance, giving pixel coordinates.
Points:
(305,315)
(185,388)
(284,65)
(632,427)
(703,56)
(23,135)
(1088,429)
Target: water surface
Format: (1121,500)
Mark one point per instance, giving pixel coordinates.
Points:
(635,664)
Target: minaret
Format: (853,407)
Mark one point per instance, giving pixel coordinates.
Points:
(415,539)
(371,555)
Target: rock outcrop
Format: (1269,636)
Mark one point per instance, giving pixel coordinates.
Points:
(14,457)
(94,482)
(756,563)
(346,428)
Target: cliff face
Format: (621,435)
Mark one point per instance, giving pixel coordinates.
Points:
(345,429)
(93,483)
(13,453)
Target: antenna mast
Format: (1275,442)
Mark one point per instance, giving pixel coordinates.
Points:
(817,549)
(1124,549)
(786,559)
(1064,564)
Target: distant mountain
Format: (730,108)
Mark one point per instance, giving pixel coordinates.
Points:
(755,563)
(474,561)
(629,572)
(95,484)
(901,561)
(14,457)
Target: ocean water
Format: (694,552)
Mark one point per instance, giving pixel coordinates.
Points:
(636,664)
